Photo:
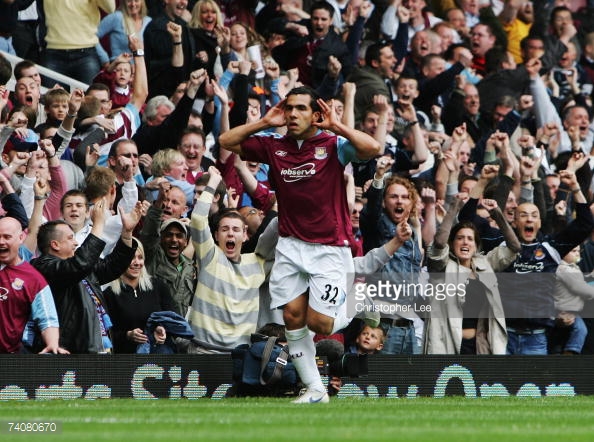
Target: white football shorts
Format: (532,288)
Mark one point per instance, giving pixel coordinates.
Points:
(322,269)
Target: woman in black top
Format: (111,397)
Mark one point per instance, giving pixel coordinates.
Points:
(131,299)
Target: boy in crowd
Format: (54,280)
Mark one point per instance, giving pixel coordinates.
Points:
(118,77)
(369,341)
(56,108)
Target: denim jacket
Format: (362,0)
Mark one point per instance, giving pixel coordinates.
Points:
(377,230)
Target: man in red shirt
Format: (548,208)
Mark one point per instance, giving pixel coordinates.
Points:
(313,257)
(481,40)
(24,294)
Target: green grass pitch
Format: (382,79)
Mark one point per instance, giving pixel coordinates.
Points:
(421,419)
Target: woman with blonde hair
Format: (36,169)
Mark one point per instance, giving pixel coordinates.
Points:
(208,31)
(130,19)
(131,299)
(170,164)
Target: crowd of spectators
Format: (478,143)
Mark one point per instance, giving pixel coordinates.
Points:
(119,201)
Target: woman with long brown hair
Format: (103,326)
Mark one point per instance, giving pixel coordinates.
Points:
(468,318)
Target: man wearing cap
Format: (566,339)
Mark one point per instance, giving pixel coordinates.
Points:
(164,237)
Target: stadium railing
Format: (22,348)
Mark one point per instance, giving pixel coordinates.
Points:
(46,74)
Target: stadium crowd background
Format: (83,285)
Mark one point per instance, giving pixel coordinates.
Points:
(479,107)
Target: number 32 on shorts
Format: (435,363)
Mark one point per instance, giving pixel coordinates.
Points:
(331,294)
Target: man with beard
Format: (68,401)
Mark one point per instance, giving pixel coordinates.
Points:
(388,204)
(164,236)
